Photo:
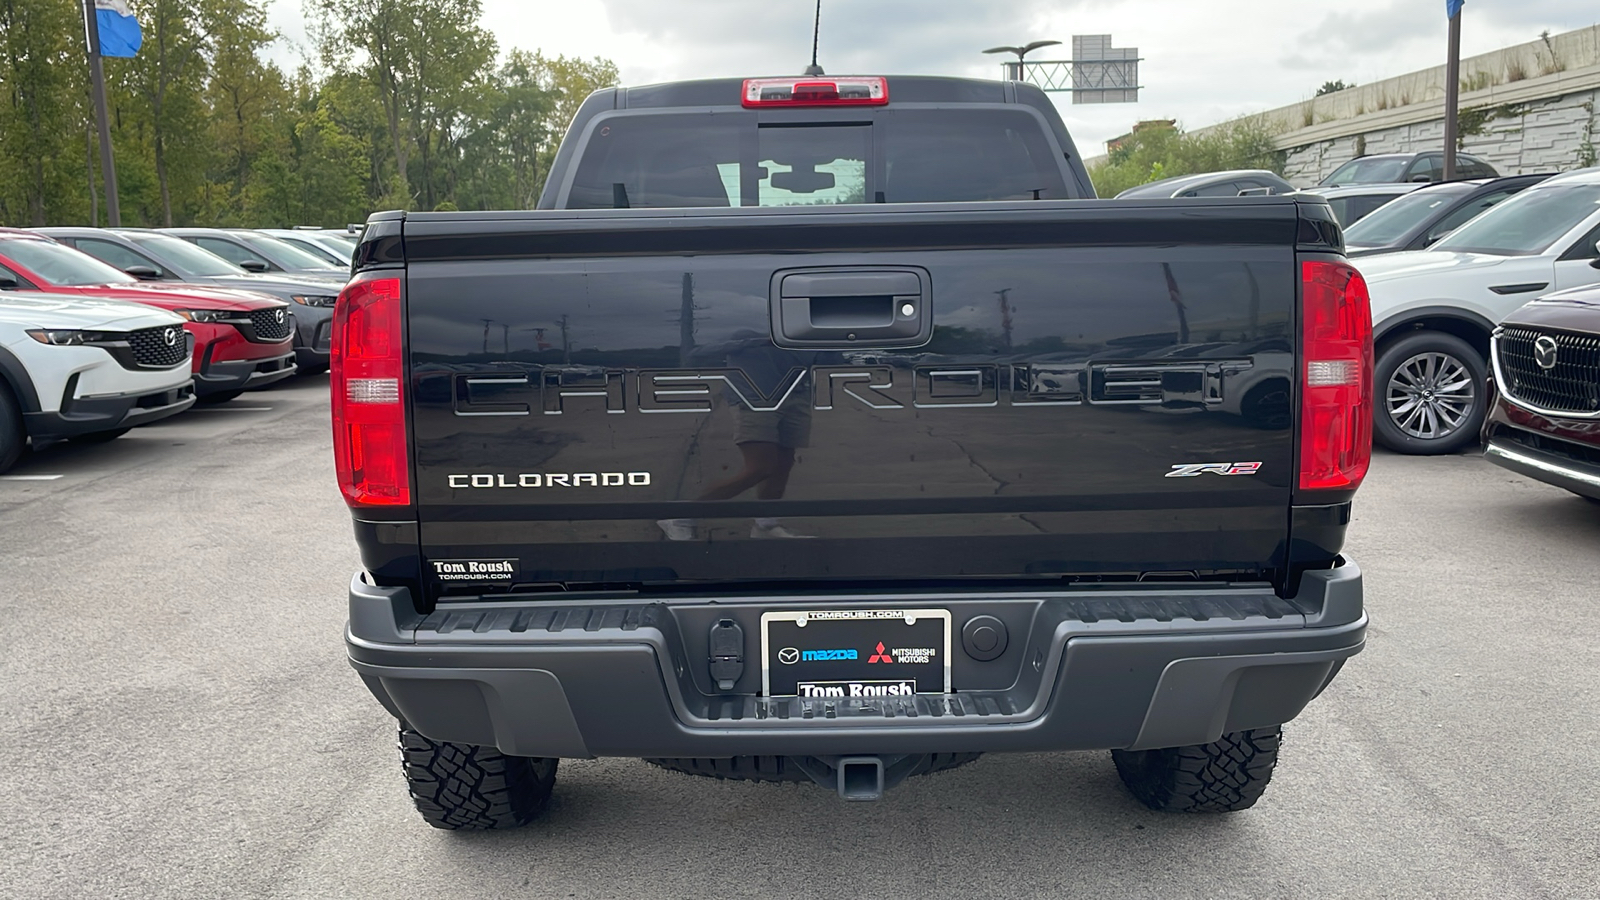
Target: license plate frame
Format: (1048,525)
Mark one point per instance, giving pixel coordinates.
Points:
(858,631)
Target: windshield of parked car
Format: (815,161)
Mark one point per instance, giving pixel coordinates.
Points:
(287,255)
(312,247)
(184,258)
(338,242)
(1352,208)
(1527,224)
(1368,171)
(59,264)
(1395,219)
(896,156)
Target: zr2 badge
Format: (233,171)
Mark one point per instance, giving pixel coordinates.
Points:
(1190,470)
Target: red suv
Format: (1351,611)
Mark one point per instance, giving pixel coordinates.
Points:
(242,339)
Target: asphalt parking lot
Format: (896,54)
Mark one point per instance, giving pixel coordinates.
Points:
(179,721)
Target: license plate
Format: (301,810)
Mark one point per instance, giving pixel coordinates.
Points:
(855,653)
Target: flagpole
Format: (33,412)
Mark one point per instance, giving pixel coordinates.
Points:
(97,81)
(1452,90)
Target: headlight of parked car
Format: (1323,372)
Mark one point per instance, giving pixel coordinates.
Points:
(323,300)
(60,337)
(206,315)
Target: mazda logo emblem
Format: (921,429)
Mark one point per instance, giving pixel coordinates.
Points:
(1544,352)
(280,317)
(788,656)
(170,336)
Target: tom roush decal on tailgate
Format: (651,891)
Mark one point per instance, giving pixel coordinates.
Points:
(475,570)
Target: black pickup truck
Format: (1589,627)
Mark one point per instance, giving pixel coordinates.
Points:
(805,435)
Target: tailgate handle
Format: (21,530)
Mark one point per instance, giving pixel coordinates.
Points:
(856,307)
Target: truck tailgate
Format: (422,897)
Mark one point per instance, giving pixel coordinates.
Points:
(992,391)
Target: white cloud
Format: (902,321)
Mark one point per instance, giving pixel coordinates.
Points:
(1205,60)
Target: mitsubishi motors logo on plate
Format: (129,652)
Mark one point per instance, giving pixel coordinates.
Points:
(882,656)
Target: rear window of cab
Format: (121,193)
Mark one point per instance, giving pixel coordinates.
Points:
(727,159)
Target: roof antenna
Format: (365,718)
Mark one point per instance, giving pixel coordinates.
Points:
(816,29)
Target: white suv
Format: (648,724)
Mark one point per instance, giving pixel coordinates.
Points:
(74,367)
(1433,310)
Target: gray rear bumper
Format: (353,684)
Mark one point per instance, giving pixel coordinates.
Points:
(1086,669)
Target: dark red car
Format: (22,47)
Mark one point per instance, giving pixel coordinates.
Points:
(242,339)
(1545,422)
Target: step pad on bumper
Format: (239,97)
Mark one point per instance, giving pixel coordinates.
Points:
(446,621)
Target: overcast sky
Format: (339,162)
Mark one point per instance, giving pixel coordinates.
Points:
(1205,60)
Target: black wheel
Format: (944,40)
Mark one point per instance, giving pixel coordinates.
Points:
(1226,775)
(101,437)
(221,398)
(313,369)
(1431,391)
(13,437)
(458,786)
(781,768)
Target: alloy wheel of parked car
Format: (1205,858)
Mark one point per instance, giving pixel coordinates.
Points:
(1432,394)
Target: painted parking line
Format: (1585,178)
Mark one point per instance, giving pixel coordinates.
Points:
(230,408)
(29,477)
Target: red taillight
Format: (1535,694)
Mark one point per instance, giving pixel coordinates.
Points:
(849,90)
(369,413)
(1336,383)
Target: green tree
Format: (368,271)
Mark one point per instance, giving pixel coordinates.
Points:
(429,63)
(402,104)
(162,100)
(313,171)
(247,99)
(1151,154)
(373,38)
(1333,87)
(43,93)
(570,81)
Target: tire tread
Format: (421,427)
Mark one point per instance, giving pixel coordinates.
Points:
(1226,775)
(462,787)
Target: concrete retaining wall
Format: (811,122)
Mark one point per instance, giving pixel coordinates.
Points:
(1537,125)
(1527,108)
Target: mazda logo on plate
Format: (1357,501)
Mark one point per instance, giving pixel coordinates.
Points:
(1544,352)
(170,336)
(788,656)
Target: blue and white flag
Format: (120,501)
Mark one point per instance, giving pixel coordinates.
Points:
(1452,8)
(119,30)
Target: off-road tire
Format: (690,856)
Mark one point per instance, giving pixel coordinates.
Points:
(1396,353)
(13,436)
(780,768)
(1226,775)
(462,787)
(100,437)
(221,398)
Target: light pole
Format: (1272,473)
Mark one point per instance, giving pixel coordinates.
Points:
(1022,52)
(97,89)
